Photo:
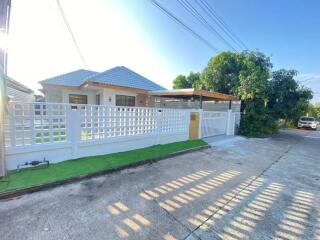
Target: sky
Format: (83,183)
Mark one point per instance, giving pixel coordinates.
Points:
(136,34)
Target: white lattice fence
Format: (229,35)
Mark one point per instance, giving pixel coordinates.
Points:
(213,123)
(35,123)
(100,122)
(60,132)
(173,121)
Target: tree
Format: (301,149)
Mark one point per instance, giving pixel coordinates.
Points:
(314,110)
(266,96)
(222,73)
(245,75)
(182,81)
(287,100)
(193,79)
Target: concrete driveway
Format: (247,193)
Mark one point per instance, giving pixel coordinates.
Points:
(238,189)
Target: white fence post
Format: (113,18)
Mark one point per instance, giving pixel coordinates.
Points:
(159,124)
(230,123)
(73,129)
(200,122)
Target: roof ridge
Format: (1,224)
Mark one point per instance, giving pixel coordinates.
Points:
(98,73)
(128,69)
(93,75)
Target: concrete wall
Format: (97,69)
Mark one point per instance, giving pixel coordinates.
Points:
(65,151)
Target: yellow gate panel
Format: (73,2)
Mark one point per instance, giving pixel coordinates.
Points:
(194,126)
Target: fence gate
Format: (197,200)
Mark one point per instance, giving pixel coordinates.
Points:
(213,123)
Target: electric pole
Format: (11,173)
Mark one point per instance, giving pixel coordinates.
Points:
(5,6)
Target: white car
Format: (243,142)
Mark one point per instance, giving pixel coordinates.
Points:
(308,122)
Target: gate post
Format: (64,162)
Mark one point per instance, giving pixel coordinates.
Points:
(230,123)
(73,129)
(200,122)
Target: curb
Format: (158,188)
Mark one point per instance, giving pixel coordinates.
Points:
(20,192)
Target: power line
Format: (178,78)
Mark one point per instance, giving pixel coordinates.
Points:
(306,80)
(71,33)
(188,7)
(182,24)
(221,23)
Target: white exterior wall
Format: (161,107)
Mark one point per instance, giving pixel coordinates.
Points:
(91,95)
(110,93)
(53,94)
(56,94)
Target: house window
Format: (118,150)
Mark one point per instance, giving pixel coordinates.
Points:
(98,99)
(78,99)
(122,100)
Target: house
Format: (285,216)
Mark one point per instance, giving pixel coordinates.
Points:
(18,92)
(118,86)
(121,86)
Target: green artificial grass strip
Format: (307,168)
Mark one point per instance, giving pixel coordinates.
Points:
(82,166)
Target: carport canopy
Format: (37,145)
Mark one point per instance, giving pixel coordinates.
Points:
(188,93)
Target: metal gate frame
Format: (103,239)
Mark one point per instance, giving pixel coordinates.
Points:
(213,123)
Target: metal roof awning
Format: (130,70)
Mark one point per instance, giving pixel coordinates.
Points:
(187,93)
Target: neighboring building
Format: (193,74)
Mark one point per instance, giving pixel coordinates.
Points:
(118,86)
(18,92)
(39,98)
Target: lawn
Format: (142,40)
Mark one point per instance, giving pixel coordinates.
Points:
(82,166)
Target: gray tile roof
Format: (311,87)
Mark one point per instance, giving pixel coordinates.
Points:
(120,76)
(74,79)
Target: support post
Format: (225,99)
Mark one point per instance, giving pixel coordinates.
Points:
(201,101)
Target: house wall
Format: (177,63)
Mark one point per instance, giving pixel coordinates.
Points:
(109,96)
(141,100)
(90,93)
(53,94)
(57,94)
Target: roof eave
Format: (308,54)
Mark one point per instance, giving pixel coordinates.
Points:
(189,92)
(112,86)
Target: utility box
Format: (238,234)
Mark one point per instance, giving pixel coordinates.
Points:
(194,126)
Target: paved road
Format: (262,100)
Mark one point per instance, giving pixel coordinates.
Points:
(238,189)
